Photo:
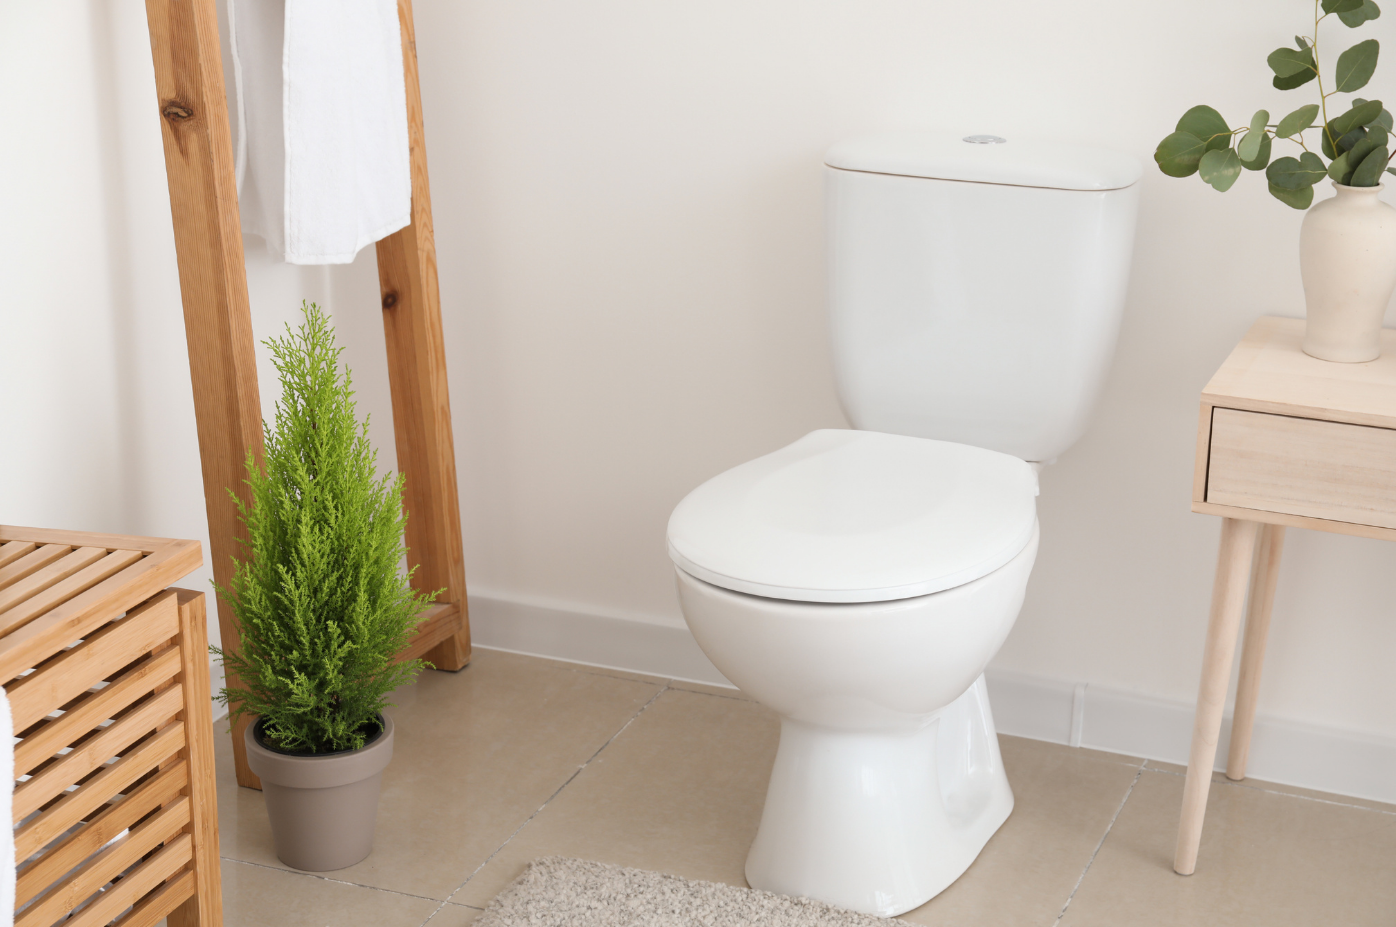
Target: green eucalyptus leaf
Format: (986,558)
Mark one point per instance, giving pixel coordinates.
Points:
(1208,125)
(1262,158)
(1220,169)
(1378,135)
(1354,18)
(1297,121)
(1355,66)
(1361,113)
(1298,80)
(1250,145)
(1364,147)
(1384,120)
(1338,171)
(1368,172)
(1292,173)
(1346,142)
(1391,170)
(1340,6)
(1300,42)
(1179,153)
(1299,199)
(1287,62)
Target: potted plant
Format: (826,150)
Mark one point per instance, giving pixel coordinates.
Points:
(322,609)
(1347,244)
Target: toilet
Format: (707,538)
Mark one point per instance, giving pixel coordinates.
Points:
(858,582)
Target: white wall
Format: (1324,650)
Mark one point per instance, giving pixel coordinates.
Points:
(628,218)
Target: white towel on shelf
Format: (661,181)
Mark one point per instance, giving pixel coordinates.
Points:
(322,162)
(7,788)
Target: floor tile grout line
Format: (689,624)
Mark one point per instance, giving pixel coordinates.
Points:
(322,878)
(1257,788)
(1128,792)
(577,772)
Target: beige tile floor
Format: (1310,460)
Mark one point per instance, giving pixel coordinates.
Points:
(518,757)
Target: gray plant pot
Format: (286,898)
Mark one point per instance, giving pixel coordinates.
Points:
(322,808)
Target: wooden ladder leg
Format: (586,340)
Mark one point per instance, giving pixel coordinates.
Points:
(421,401)
(1238,541)
(205,909)
(212,281)
(1262,600)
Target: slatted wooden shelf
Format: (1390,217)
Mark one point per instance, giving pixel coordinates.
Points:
(106,671)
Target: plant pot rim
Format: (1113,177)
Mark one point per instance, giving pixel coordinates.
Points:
(258,731)
(320,771)
(1342,186)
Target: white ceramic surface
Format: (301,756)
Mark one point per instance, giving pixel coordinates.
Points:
(1347,256)
(856,516)
(990,159)
(979,313)
(887,782)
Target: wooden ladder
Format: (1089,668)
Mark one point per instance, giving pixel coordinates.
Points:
(218,327)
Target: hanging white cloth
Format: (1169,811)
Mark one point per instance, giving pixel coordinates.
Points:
(322,162)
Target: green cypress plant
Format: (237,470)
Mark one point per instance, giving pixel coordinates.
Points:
(321,602)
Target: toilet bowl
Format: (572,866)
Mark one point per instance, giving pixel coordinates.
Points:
(901,564)
(888,780)
(857,582)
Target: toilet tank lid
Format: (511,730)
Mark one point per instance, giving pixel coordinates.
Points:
(856,516)
(1014,162)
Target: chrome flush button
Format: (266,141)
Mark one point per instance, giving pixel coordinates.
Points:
(984,139)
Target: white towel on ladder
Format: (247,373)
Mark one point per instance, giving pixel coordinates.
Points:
(7,788)
(322,164)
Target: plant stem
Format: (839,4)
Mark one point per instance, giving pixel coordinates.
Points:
(1318,72)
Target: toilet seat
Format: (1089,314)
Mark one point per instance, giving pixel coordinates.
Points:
(856,516)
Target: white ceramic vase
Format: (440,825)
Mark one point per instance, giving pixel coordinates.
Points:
(1347,256)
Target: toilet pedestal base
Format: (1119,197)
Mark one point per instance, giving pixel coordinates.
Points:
(881,822)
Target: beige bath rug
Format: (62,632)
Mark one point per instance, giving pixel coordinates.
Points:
(560,892)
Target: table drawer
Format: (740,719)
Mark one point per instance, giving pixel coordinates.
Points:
(1302,466)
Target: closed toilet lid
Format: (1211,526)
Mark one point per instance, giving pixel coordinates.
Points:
(856,516)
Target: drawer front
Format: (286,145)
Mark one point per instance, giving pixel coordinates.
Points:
(1301,466)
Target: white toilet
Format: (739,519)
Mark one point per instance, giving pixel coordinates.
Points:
(858,582)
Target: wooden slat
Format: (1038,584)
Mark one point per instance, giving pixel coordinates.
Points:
(92,794)
(31,795)
(426,455)
(10,551)
(1299,466)
(19,615)
(99,831)
(81,538)
(107,865)
(32,563)
(161,903)
(49,575)
(442,622)
(133,885)
(94,709)
(65,623)
(205,908)
(99,656)
(212,279)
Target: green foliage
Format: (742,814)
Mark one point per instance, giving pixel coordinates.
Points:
(1356,143)
(322,606)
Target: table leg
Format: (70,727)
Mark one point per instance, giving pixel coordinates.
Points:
(1262,599)
(1238,542)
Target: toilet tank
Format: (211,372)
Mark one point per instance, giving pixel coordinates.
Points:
(976,286)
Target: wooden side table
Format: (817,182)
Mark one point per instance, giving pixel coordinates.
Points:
(1284,440)
(105,666)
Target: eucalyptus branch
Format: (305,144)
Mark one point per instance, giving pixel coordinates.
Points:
(1356,144)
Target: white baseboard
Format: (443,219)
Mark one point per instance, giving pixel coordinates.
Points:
(1061,711)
